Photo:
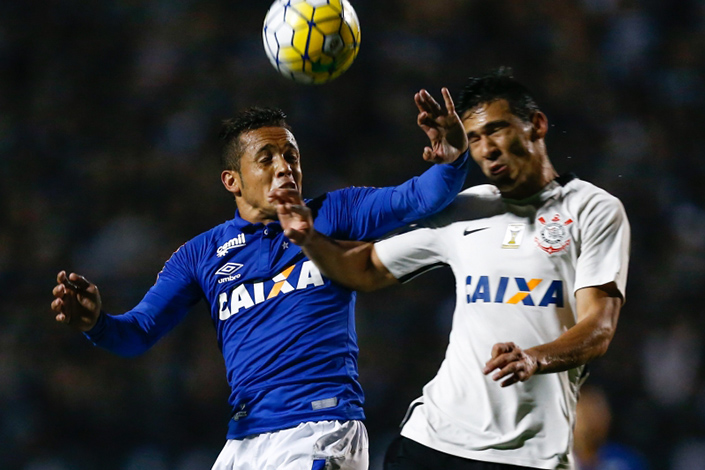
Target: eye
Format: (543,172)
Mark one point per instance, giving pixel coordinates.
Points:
(264,158)
(496,128)
(292,157)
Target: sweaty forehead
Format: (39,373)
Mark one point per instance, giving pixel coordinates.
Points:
(477,117)
(256,139)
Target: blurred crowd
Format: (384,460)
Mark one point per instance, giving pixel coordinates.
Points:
(109,114)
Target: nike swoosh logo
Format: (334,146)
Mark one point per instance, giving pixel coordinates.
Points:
(468,232)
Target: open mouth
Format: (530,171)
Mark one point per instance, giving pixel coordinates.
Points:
(287,185)
(498,169)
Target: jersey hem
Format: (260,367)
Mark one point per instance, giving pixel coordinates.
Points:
(485,455)
(289,423)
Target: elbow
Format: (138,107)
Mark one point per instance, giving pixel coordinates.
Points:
(602,342)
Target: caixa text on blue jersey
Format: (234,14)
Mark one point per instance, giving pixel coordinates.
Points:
(246,295)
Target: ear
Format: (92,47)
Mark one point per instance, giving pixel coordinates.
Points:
(539,122)
(231,181)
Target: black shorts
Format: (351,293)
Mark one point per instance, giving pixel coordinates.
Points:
(405,454)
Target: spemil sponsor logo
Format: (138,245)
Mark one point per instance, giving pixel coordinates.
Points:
(236,242)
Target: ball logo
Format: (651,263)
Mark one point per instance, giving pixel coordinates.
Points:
(553,234)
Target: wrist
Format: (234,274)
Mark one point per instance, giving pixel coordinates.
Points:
(462,159)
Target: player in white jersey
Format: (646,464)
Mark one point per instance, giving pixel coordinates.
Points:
(540,263)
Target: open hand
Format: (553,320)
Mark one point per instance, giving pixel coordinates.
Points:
(442,126)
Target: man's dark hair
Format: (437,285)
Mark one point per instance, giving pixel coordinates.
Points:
(247,120)
(497,85)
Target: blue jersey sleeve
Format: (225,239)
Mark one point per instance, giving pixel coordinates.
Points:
(369,213)
(162,308)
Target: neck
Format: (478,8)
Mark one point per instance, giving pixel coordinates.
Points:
(533,183)
(256,215)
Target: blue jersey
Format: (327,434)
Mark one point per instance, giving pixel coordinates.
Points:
(287,333)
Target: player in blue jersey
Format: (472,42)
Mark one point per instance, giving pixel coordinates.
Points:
(287,334)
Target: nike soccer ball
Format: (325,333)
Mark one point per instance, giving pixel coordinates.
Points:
(311,41)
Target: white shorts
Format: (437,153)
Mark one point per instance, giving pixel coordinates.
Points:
(322,445)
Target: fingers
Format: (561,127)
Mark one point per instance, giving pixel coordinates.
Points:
(62,313)
(511,363)
(285,195)
(450,106)
(428,154)
(425,102)
(503,354)
(297,209)
(77,282)
(428,124)
(501,348)
(71,291)
(73,281)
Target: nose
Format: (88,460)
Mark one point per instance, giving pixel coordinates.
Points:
(282,167)
(488,148)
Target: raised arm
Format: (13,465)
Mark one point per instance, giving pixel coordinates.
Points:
(353,264)
(597,310)
(433,190)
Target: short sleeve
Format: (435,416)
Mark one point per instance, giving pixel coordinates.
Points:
(605,244)
(412,253)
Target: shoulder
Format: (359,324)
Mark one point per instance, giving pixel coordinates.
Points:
(593,204)
(476,201)
(589,196)
(484,192)
(205,242)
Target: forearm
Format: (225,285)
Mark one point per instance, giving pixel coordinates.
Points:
(120,334)
(348,263)
(582,343)
(430,192)
(134,332)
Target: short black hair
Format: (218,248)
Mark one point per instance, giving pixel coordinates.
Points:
(247,120)
(497,85)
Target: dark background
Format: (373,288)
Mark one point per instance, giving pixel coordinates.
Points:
(109,112)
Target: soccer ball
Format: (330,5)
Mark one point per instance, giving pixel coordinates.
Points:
(311,41)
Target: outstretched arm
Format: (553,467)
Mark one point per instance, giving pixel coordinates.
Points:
(598,310)
(77,303)
(353,264)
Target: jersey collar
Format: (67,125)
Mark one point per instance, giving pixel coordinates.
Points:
(248,227)
(545,193)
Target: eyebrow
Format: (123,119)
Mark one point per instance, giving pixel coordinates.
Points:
(490,126)
(270,147)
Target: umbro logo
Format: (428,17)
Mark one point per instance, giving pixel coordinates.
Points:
(228,268)
(468,231)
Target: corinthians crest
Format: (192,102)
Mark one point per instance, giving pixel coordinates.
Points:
(553,234)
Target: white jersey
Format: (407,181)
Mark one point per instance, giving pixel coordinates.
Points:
(517,266)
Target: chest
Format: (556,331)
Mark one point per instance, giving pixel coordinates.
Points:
(526,256)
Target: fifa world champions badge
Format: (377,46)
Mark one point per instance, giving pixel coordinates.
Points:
(553,236)
(513,236)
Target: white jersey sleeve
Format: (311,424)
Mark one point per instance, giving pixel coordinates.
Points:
(412,253)
(604,248)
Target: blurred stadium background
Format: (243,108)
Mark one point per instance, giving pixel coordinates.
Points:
(109,112)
